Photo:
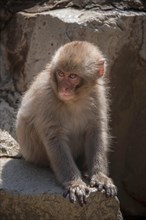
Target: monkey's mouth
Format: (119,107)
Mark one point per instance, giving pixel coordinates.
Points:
(66,96)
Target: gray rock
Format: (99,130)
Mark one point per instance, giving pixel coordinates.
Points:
(29,192)
(8,145)
(38,35)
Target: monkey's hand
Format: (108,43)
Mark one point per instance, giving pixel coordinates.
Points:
(77,190)
(103,184)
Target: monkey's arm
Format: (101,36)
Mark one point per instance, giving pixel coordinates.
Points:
(97,163)
(61,161)
(66,170)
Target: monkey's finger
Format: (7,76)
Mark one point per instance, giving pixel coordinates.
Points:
(84,196)
(113,191)
(108,191)
(72,197)
(100,187)
(102,191)
(87,191)
(80,196)
(81,200)
(85,199)
(65,193)
(92,183)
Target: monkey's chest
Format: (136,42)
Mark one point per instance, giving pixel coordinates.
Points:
(75,124)
(75,128)
(76,143)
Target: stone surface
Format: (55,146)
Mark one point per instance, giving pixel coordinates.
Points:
(29,192)
(25,55)
(8,145)
(28,42)
(42,5)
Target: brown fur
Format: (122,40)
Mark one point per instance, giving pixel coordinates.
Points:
(54,132)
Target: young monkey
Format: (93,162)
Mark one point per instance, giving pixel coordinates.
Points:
(64,117)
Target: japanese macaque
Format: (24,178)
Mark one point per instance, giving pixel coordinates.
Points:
(63,120)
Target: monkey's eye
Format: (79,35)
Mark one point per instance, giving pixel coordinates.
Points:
(73,76)
(60,73)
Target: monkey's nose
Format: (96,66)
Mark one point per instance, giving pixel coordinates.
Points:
(65,89)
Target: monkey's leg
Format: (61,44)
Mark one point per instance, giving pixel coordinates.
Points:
(66,171)
(31,146)
(98,165)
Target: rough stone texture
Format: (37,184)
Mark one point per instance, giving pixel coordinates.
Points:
(8,145)
(25,55)
(27,43)
(42,5)
(29,192)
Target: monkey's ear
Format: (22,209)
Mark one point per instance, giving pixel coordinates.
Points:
(101,67)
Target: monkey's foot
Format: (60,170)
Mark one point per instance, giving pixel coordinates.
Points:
(103,184)
(77,191)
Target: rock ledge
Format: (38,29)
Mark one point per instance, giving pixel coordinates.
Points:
(30,192)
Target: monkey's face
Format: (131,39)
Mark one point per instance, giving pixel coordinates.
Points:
(75,69)
(67,85)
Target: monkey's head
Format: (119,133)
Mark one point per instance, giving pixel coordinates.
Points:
(75,69)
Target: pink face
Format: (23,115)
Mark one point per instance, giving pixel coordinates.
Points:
(67,84)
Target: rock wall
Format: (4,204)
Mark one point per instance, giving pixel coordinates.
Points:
(27,44)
